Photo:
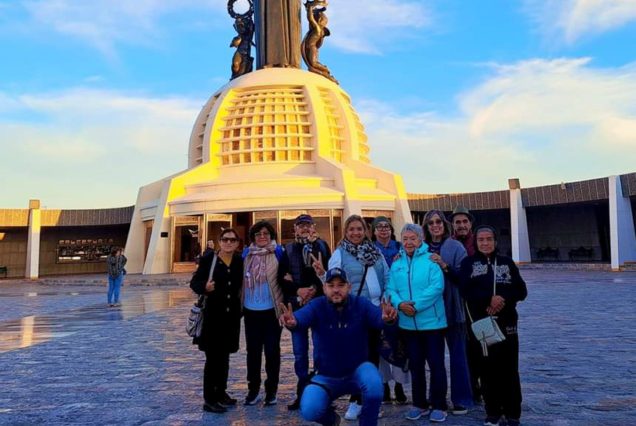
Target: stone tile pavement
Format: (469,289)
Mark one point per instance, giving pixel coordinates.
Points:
(67,360)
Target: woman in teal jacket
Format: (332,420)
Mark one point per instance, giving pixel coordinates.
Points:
(416,288)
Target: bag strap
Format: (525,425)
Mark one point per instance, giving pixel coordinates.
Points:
(203,302)
(494,289)
(364,278)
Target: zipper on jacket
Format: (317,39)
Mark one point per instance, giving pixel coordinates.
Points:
(410,289)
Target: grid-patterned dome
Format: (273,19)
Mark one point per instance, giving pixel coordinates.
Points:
(278,116)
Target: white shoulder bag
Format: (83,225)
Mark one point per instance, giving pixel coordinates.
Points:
(486,329)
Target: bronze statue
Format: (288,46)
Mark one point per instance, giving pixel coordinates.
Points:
(242,62)
(315,36)
(278,33)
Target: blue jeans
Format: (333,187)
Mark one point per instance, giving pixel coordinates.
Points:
(427,347)
(114,287)
(461,392)
(315,405)
(300,343)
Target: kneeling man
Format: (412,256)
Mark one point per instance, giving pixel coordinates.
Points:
(339,323)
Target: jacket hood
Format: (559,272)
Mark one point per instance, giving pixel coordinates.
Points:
(421,250)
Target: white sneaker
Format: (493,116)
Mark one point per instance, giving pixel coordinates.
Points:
(353,412)
(381,413)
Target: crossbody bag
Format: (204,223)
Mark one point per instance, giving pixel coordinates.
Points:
(486,330)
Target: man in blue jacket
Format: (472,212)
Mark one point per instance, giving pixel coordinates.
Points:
(340,323)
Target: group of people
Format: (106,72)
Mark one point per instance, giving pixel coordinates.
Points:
(426,288)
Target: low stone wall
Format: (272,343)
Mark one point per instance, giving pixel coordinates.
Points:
(568,266)
(134,280)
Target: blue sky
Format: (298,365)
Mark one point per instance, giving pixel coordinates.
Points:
(98,98)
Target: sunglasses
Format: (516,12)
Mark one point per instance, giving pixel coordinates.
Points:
(435,222)
(383,228)
(229,240)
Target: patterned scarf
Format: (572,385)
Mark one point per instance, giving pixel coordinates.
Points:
(257,265)
(307,244)
(366,253)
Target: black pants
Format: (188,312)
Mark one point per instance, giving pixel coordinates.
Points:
(373,340)
(215,372)
(262,332)
(500,381)
(475,358)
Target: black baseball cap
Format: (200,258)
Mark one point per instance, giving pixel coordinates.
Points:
(304,218)
(336,272)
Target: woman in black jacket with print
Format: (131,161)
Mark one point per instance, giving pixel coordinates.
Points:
(500,376)
(221,318)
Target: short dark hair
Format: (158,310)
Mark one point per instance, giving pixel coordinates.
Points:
(229,230)
(114,250)
(256,228)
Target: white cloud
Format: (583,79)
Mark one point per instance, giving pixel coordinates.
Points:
(369,26)
(362,26)
(574,19)
(106,23)
(86,137)
(542,121)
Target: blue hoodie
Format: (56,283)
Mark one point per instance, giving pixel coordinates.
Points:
(418,279)
(340,338)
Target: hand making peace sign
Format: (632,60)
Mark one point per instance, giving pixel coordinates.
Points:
(317,264)
(389,313)
(287,318)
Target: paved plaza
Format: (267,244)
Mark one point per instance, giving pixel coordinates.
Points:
(67,360)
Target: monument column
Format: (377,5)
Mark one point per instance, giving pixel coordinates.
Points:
(33,242)
(278,33)
(622,235)
(518,225)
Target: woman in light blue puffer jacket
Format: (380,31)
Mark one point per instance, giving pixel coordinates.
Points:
(416,288)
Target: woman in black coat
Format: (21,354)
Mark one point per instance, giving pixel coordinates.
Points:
(491,285)
(221,318)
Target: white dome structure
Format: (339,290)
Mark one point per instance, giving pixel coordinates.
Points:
(269,145)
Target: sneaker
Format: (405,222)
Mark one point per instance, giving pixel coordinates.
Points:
(294,406)
(227,400)
(514,422)
(353,412)
(400,396)
(459,410)
(386,399)
(381,413)
(271,399)
(416,413)
(492,421)
(438,416)
(253,398)
(214,408)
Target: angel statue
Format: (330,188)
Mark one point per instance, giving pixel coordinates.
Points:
(242,62)
(315,36)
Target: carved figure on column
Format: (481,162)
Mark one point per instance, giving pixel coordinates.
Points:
(242,62)
(315,36)
(278,33)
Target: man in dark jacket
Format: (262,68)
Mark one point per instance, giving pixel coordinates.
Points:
(340,324)
(303,287)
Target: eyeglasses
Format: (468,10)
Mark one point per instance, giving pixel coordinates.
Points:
(383,227)
(262,234)
(435,222)
(229,240)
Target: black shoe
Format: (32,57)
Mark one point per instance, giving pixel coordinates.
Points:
(400,396)
(271,399)
(227,400)
(214,408)
(294,406)
(253,398)
(386,399)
